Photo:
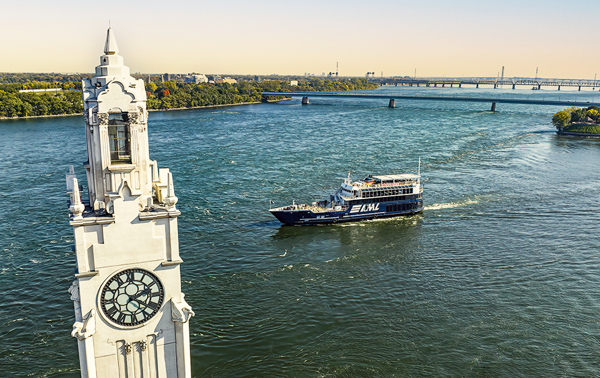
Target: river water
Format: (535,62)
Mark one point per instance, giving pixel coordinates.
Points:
(499,276)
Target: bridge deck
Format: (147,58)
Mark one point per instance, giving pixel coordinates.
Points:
(498,100)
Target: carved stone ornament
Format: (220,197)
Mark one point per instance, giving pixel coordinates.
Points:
(74,290)
(76,207)
(103,118)
(181,312)
(171,200)
(86,328)
(134,118)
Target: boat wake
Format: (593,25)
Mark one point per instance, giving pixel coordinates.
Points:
(451,205)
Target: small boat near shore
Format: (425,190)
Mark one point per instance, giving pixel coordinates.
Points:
(369,198)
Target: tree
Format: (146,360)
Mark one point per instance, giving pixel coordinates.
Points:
(578,114)
(170,85)
(593,113)
(151,87)
(561,119)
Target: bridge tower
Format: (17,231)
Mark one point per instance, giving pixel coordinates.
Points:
(131,319)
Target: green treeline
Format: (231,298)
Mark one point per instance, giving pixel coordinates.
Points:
(578,120)
(167,95)
(318,85)
(171,95)
(15,104)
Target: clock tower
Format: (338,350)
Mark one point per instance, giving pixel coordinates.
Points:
(131,319)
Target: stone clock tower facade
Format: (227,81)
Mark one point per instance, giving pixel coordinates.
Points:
(131,319)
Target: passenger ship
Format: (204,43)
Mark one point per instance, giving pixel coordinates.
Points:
(372,197)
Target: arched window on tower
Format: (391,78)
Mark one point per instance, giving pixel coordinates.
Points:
(118,136)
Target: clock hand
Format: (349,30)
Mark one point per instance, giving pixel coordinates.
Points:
(145,291)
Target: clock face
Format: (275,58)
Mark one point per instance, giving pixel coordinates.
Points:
(131,297)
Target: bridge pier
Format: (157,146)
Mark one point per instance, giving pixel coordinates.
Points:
(460,85)
(493,107)
(305,100)
(392,103)
(451,85)
(477,85)
(514,86)
(495,85)
(435,85)
(580,88)
(559,87)
(443,85)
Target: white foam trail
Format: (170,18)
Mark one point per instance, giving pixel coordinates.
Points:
(450,205)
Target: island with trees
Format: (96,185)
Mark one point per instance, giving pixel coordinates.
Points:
(61,94)
(584,122)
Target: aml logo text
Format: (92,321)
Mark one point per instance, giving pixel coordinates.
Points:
(364,208)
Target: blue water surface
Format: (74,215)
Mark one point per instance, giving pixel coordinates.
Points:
(499,276)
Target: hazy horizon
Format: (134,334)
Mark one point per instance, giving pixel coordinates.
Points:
(463,39)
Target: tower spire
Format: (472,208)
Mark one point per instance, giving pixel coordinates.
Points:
(110,47)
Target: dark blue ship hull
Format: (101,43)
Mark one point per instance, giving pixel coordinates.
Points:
(350,213)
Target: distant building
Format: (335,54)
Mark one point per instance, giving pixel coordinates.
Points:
(293,83)
(196,78)
(40,90)
(220,80)
(166,77)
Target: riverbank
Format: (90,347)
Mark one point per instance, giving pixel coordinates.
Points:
(150,110)
(581,135)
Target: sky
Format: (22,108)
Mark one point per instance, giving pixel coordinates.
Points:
(435,38)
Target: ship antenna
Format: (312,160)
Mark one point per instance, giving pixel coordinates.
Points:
(348,177)
(419,166)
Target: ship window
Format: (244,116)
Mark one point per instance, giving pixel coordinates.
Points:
(118,138)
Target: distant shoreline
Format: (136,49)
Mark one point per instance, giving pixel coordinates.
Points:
(150,110)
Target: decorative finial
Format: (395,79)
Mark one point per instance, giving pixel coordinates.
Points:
(111,48)
(171,200)
(76,207)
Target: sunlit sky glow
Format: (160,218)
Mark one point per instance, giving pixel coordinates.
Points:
(435,37)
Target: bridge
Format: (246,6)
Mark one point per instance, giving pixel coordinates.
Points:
(391,97)
(536,83)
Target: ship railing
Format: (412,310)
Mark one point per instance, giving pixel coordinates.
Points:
(386,195)
(393,185)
